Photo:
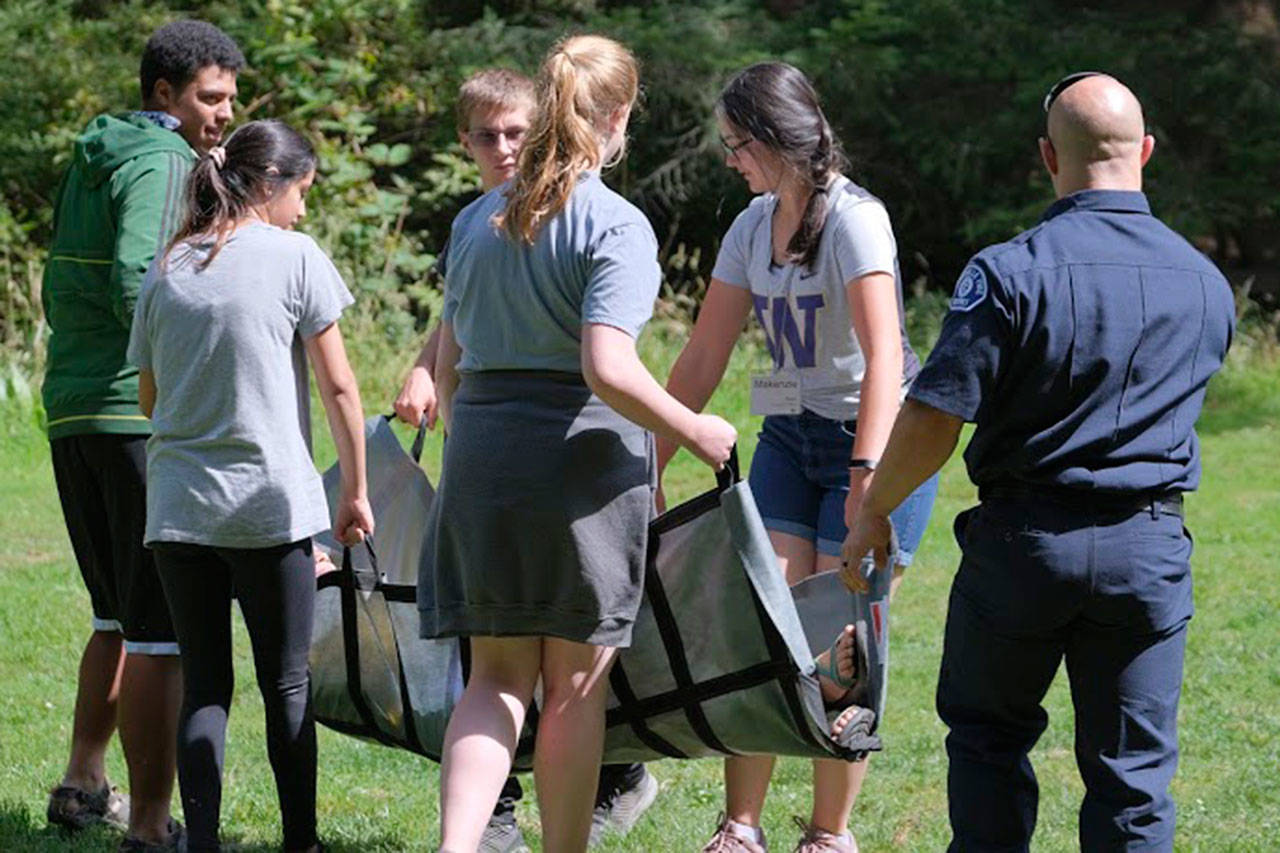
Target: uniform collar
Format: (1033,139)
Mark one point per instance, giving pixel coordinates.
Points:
(1116,201)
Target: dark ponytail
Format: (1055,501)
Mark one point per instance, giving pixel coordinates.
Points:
(776,105)
(256,161)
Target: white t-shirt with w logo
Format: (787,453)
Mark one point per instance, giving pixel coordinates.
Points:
(804,311)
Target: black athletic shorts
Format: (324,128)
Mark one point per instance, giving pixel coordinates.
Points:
(102,484)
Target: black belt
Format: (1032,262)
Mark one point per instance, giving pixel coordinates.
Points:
(1107,503)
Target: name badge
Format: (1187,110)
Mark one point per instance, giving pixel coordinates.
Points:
(775,394)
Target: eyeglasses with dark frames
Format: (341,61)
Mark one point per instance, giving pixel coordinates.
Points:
(732,148)
(489,138)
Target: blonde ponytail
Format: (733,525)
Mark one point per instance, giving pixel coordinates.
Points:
(583,81)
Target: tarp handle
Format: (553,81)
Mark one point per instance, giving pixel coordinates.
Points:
(350,571)
(418,440)
(729,474)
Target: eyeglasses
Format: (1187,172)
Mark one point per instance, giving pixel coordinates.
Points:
(1064,84)
(732,148)
(487,138)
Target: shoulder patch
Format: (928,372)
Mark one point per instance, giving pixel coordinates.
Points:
(970,290)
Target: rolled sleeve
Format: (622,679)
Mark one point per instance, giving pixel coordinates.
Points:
(322,294)
(964,366)
(863,241)
(139,351)
(735,249)
(623,280)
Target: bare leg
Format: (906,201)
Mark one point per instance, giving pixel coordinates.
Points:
(150,697)
(746,777)
(481,737)
(566,764)
(97,691)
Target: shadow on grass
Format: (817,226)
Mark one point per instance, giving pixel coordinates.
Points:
(24,830)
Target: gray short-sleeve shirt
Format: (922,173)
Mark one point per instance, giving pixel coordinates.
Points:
(522,307)
(228,461)
(804,311)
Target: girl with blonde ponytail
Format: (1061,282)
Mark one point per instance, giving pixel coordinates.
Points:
(814,256)
(539,524)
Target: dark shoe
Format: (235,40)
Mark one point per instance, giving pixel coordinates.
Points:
(177,840)
(74,809)
(502,835)
(618,809)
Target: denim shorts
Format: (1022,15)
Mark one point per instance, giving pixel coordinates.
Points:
(800,479)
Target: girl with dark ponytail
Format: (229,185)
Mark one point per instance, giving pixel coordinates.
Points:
(814,255)
(222,331)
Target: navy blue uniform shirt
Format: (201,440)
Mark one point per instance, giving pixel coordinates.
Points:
(1081,349)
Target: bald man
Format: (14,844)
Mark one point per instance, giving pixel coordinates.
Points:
(1081,350)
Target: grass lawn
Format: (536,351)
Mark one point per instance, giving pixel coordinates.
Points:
(373,798)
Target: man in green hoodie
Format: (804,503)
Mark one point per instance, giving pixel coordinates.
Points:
(117,206)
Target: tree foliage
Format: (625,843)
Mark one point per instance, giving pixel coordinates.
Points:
(937,101)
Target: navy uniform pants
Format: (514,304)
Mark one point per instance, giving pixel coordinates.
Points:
(1109,590)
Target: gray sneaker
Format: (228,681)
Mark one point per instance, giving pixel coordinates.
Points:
(502,835)
(618,810)
(75,809)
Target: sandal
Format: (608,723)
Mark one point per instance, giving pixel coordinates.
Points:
(177,840)
(855,734)
(74,808)
(856,685)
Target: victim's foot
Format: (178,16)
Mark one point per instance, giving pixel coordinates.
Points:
(837,667)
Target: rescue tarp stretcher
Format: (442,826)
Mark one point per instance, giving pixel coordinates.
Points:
(721,661)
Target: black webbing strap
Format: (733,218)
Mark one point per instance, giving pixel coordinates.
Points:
(351,639)
(713,688)
(786,680)
(673,644)
(626,696)
(418,440)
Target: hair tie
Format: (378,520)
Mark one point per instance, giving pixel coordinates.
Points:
(219,156)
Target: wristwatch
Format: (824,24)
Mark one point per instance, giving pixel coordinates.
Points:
(868,464)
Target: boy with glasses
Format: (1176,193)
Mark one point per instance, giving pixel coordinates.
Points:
(494,111)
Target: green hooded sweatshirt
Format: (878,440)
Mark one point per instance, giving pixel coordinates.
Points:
(119,203)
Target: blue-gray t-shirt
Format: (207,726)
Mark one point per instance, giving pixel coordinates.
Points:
(522,307)
(228,461)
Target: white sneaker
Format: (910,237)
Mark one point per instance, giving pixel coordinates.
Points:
(618,810)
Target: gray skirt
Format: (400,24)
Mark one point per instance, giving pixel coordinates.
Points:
(540,523)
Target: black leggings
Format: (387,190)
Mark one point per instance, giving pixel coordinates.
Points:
(276,588)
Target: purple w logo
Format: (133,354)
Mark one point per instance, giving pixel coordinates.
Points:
(780,327)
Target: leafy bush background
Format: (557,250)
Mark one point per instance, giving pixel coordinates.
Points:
(937,102)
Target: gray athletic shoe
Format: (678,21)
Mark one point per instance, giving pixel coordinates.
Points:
(502,835)
(618,810)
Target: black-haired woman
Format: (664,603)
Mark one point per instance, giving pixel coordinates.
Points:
(224,324)
(815,257)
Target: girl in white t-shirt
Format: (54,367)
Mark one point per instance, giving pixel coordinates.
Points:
(814,258)
(224,325)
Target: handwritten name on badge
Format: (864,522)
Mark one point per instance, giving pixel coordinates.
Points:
(970,290)
(775,394)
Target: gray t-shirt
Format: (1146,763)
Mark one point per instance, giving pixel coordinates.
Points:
(228,462)
(804,311)
(521,307)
